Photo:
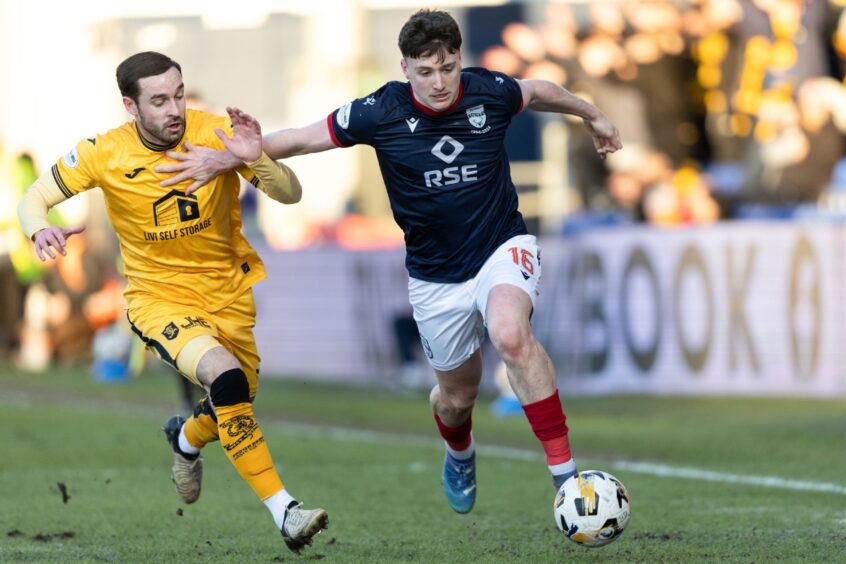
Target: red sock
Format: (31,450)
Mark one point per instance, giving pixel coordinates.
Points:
(550,427)
(458,438)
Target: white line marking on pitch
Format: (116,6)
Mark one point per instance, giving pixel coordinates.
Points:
(508,453)
(648,468)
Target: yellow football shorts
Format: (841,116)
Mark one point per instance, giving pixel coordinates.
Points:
(166,328)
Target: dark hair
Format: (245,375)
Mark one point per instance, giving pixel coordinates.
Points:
(142,65)
(428,32)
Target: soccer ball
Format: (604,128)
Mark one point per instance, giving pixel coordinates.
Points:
(592,508)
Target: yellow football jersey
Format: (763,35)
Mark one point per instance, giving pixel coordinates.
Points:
(187,249)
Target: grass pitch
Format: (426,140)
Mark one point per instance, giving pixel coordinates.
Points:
(84,476)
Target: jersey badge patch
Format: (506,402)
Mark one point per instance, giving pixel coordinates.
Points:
(476,115)
(170,331)
(412,123)
(71,160)
(343,116)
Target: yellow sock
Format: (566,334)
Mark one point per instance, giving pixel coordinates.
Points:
(244,445)
(201,428)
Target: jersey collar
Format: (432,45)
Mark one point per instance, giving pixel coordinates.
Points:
(153,146)
(432,112)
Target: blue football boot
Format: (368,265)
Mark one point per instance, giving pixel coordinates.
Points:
(459,480)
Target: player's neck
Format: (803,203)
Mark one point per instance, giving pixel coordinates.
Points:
(421,106)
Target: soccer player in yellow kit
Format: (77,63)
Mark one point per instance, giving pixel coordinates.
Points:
(189,269)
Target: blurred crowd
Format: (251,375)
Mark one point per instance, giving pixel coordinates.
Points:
(50,311)
(726,107)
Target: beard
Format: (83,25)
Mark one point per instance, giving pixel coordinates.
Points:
(160,134)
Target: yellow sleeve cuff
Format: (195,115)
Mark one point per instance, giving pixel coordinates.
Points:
(276,180)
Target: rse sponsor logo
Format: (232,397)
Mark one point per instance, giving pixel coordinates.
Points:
(370,101)
(453,174)
(170,331)
(456,148)
(450,175)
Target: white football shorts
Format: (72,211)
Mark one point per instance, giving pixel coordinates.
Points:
(451,317)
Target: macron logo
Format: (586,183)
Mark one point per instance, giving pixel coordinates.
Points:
(412,123)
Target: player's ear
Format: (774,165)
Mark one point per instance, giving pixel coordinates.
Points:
(130,106)
(404,67)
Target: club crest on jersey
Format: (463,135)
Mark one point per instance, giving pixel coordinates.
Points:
(170,331)
(477,116)
(71,160)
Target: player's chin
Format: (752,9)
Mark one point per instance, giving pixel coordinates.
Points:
(171,134)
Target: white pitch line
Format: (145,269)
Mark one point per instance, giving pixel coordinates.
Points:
(727,478)
(341,434)
(648,468)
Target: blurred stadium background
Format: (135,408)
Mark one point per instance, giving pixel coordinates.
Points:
(706,258)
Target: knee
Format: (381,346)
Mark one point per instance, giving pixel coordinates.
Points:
(230,388)
(456,399)
(511,341)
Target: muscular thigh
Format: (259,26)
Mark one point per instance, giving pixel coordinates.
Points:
(450,326)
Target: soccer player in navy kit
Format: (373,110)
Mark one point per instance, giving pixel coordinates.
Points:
(471,262)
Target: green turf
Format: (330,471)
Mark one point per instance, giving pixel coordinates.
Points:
(383,494)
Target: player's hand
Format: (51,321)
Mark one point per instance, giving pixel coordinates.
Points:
(245,142)
(55,237)
(606,138)
(197,163)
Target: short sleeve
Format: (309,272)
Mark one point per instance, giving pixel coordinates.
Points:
(356,122)
(79,169)
(510,91)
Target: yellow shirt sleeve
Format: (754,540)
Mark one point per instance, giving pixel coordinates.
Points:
(275,179)
(37,201)
(78,170)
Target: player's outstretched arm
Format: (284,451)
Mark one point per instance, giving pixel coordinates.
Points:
(202,164)
(32,213)
(545,96)
(286,143)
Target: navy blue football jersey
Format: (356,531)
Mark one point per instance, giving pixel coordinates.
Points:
(447,173)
